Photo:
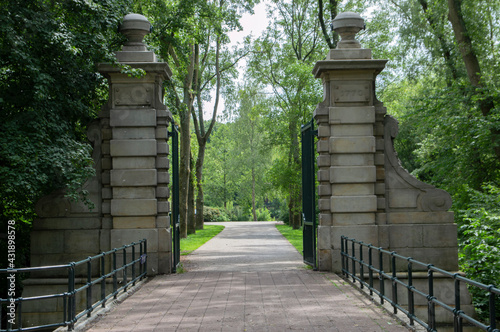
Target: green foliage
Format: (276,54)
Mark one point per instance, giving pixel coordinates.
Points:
(194,241)
(263,214)
(214,214)
(479,252)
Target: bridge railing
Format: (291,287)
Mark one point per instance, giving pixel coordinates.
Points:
(366,272)
(132,266)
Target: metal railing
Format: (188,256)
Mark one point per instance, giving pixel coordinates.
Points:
(354,266)
(125,275)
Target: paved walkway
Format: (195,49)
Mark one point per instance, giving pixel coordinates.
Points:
(248,278)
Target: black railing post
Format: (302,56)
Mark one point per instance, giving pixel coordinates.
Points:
(370,270)
(141,271)
(430,298)
(381,275)
(115,281)
(89,285)
(125,269)
(457,320)
(361,267)
(394,283)
(353,262)
(72,301)
(342,254)
(103,281)
(493,319)
(133,263)
(146,253)
(411,295)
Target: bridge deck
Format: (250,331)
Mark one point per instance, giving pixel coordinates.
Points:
(248,278)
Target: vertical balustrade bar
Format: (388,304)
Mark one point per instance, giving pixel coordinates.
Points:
(411,295)
(342,256)
(370,271)
(146,253)
(353,263)
(115,281)
(346,258)
(141,271)
(430,304)
(457,320)
(493,319)
(103,281)
(89,286)
(394,283)
(125,269)
(71,291)
(380,275)
(133,263)
(361,269)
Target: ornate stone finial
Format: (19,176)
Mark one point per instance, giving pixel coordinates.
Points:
(135,27)
(347,25)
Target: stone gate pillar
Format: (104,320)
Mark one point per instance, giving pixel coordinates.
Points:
(135,163)
(364,193)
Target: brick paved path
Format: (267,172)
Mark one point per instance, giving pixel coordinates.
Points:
(234,283)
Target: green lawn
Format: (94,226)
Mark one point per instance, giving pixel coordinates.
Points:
(194,241)
(294,236)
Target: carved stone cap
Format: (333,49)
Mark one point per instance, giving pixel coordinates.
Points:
(135,27)
(347,25)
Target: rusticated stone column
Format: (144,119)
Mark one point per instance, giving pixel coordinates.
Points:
(364,193)
(350,147)
(135,176)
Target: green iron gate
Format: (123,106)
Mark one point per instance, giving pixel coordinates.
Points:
(174,216)
(308,193)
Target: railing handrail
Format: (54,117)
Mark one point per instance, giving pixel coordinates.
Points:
(430,325)
(70,317)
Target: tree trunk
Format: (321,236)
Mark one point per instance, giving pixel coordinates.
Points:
(462,37)
(254,213)
(191,220)
(200,200)
(445,47)
(184,172)
(330,41)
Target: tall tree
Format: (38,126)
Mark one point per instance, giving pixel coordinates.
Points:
(282,60)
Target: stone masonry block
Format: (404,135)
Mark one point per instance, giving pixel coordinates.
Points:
(402,236)
(357,144)
(351,189)
(162,192)
(162,133)
(443,217)
(364,114)
(133,117)
(133,177)
(164,240)
(129,148)
(344,159)
(133,207)
(120,237)
(437,236)
(134,133)
(163,177)
(323,146)
(352,130)
(77,241)
(323,160)
(323,175)
(351,219)
(134,192)
(323,131)
(162,147)
(324,204)
(48,242)
(163,207)
(133,162)
(324,190)
(325,219)
(162,221)
(162,162)
(134,222)
(324,237)
(356,204)
(352,174)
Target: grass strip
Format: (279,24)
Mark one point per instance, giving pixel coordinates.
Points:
(194,241)
(294,236)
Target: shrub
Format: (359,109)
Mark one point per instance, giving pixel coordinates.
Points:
(214,214)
